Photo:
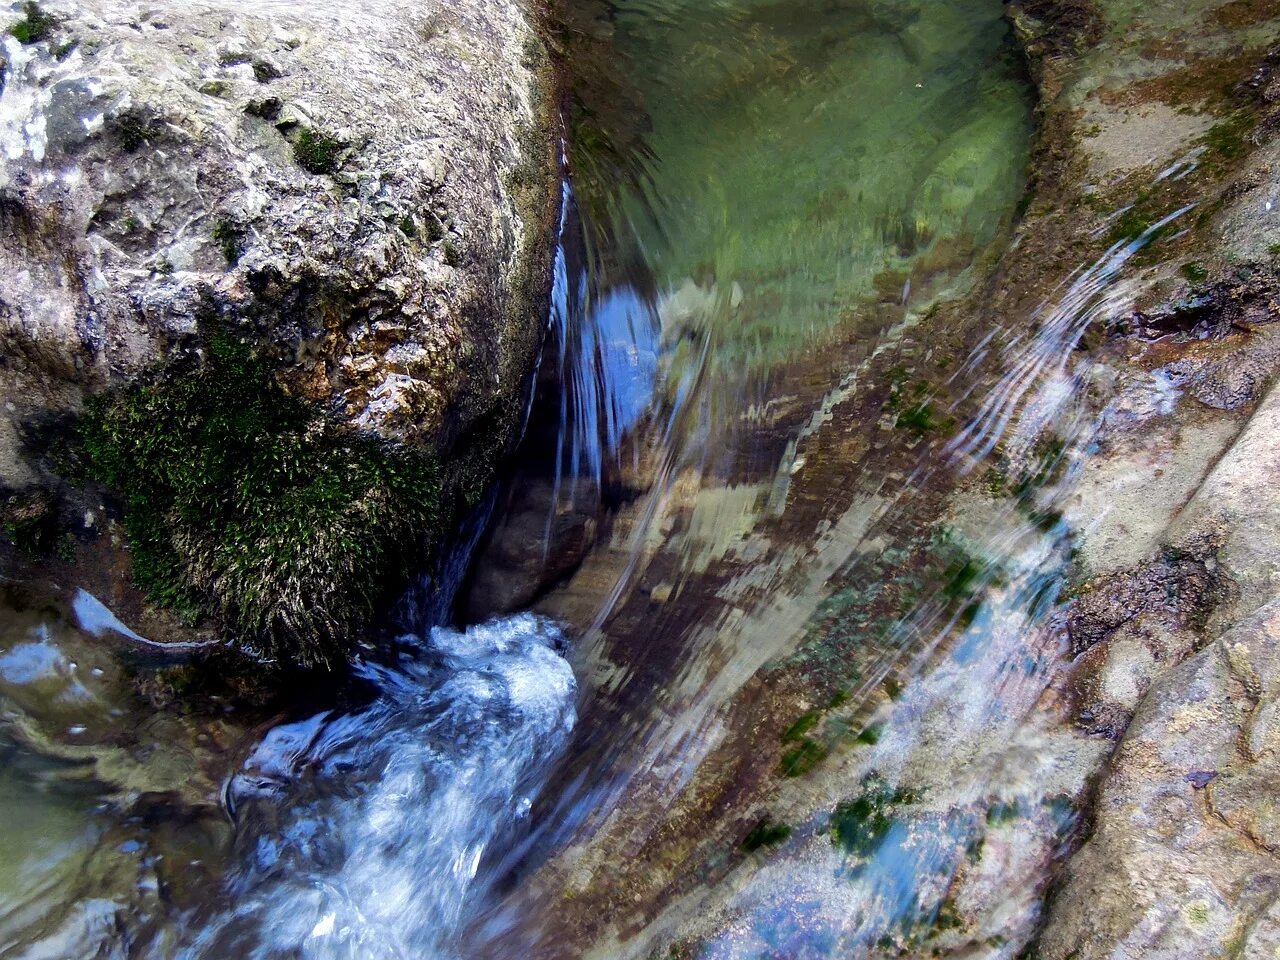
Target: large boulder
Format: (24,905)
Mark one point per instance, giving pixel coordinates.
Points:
(362,196)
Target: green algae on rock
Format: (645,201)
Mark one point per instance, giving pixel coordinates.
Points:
(251,504)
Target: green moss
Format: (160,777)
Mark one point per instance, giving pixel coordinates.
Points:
(1131,224)
(963,578)
(264,72)
(1194,272)
(434,228)
(796,732)
(30,522)
(63,50)
(858,826)
(408,227)
(131,130)
(317,152)
(244,502)
(870,736)
(766,833)
(215,88)
(230,240)
(1001,814)
(451,255)
(802,758)
(921,419)
(1229,139)
(36,25)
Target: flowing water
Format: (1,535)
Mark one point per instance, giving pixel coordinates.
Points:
(767,201)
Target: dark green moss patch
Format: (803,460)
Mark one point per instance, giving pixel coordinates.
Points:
(434,228)
(249,504)
(230,240)
(35,25)
(131,129)
(30,522)
(858,826)
(1229,139)
(1194,272)
(766,833)
(802,758)
(1001,814)
(870,736)
(317,152)
(921,419)
(797,731)
(264,72)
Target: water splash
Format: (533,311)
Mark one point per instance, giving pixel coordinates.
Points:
(1036,384)
(606,362)
(365,835)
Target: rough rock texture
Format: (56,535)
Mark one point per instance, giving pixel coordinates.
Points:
(367,192)
(1181,861)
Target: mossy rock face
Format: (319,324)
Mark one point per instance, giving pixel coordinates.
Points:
(35,26)
(247,504)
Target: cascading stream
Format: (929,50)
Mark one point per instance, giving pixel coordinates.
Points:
(367,835)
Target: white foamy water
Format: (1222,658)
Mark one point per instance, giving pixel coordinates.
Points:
(365,835)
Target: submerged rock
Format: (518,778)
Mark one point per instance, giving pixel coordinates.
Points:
(362,195)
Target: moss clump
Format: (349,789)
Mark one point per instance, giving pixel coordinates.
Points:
(1229,139)
(244,502)
(870,736)
(796,732)
(1194,272)
(802,758)
(1001,814)
(131,130)
(435,229)
(264,72)
(36,25)
(30,521)
(766,833)
(230,240)
(858,826)
(316,152)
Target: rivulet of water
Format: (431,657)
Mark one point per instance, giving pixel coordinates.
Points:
(366,835)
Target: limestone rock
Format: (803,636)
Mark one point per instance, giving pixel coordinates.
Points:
(367,189)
